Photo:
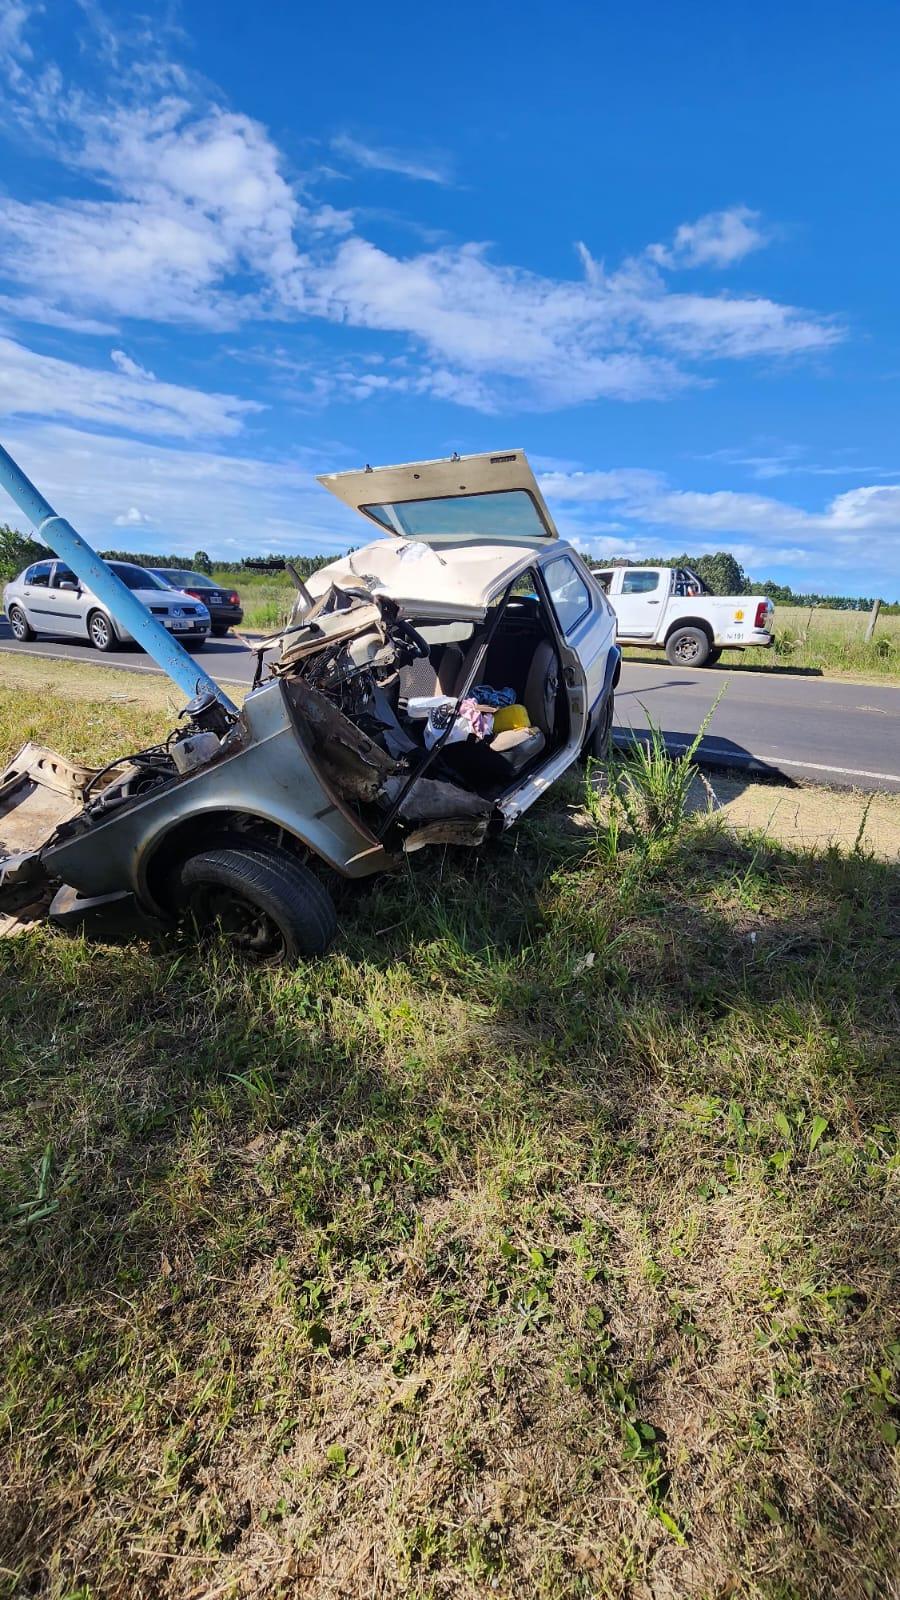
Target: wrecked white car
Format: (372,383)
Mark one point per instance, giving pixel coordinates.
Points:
(427,690)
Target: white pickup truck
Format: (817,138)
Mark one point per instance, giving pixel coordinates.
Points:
(671,609)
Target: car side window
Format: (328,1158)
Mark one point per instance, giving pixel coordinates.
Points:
(62,574)
(604,579)
(640,582)
(569,593)
(39,575)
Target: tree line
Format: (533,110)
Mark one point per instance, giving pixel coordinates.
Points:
(722,572)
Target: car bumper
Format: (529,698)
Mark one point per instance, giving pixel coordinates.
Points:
(226,616)
(194,630)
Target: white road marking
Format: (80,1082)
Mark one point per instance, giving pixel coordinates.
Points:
(108,661)
(712,747)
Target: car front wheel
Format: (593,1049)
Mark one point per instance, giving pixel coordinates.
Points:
(100,631)
(688,647)
(267,905)
(19,625)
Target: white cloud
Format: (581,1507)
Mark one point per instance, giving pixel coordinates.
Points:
(43,386)
(856,533)
(28,308)
(428,169)
(229,503)
(201,225)
(132,369)
(717,240)
(132,518)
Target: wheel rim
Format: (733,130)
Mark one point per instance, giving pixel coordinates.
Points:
(243,925)
(687,650)
(100,632)
(17,624)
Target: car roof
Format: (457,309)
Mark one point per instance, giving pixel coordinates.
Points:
(450,580)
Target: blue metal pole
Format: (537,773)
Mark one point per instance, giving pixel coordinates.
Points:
(97,576)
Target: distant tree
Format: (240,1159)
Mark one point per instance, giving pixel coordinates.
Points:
(18,551)
(201,561)
(721,573)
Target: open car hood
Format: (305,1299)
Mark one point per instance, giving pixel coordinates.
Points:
(487,498)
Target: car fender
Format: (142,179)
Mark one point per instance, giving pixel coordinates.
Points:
(271,778)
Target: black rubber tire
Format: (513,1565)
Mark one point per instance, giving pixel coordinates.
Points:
(218,631)
(21,627)
(688,647)
(597,745)
(103,641)
(715,655)
(271,882)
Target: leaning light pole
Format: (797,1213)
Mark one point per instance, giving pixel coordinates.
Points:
(98,577)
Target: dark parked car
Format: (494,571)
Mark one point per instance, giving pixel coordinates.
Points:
(223,605)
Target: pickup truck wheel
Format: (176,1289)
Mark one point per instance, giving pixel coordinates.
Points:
(266,904)
(688,647)
(714,655)
(20,627)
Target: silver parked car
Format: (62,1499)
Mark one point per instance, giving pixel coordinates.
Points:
(48,598)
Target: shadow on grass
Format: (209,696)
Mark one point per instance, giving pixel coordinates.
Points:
(210,1172)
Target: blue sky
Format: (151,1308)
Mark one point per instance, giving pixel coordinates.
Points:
(656,246)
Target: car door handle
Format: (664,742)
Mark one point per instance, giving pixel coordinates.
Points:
(653,602)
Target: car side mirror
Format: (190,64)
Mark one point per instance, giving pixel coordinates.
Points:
(72,588)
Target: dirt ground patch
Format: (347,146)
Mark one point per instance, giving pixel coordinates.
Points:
(810,818)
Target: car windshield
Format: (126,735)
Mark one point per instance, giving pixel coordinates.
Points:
(504,514)
(177,579)
(135,577)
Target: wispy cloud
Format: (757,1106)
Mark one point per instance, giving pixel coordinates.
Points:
(717,240)
(199,223)
(858,529)
(790,460)
(374,158)
(233,502)
(127,397)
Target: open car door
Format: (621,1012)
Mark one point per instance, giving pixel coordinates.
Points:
(489,498)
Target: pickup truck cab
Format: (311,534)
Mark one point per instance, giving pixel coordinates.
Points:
(671,609)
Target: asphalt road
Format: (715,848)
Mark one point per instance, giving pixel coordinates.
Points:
(821,730)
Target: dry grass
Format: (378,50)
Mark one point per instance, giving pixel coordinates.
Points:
(540,1242)
(831,643)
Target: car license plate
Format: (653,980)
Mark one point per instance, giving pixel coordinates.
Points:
(179,626)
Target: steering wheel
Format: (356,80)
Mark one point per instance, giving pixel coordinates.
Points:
(412,637)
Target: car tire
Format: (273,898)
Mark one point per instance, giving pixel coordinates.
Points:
(101,632)
(715,655)
(218,631)
(597,745)
(21,628)
(688,647)
(267,905)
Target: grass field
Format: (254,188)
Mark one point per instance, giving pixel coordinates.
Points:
(829,642)
(539,1242)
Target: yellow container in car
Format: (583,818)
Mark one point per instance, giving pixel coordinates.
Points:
(511,717)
